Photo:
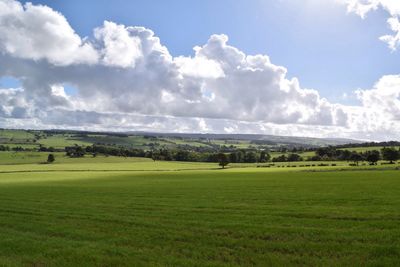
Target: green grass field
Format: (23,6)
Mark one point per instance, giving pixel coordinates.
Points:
(60,141)
(364,149)
(15,134)
(108,211)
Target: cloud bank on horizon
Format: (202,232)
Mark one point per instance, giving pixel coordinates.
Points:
(126,79)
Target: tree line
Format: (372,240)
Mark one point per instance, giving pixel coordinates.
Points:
(240,156)
(390,154)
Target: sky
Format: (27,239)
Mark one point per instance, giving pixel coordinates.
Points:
(321,68)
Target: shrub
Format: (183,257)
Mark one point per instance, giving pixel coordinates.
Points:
(50,158)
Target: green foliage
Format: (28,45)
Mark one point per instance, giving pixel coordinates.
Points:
(222,160)
(281,158)
(390,154)
(50,158)
(294,157)
(356,158)
(75,151)
(264,156)
(373,157)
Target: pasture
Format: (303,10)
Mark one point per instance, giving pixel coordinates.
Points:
(108,211)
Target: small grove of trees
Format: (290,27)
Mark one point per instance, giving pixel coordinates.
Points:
(4,148)
(243,156)
(289,158)
(356,158)
(294,157)
(75,151)
(15,148)
(372,157)
(332,154)
(264,157)
(390,154)
(281,158)
(46,149)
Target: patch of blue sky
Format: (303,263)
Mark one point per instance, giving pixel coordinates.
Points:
(9,82)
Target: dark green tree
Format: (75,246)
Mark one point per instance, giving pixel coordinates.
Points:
(250,157)
(233,157)
(356,157)
(294,157)
(50,158)
(222,160)
(373,157)
(390,154)
(264,156)
(155,155)
(281,158)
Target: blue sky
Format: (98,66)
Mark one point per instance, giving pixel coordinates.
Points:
(317,41)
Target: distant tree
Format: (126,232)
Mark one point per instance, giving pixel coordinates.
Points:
(75,151)
(294,157)
(155,155)
(315,158)
(222,160)
(390,154)
(80,152)
(250,157)
(4,148)
(264,156)
(50,158)
(182,155)
(373,157)
(281,158)
(326,152)
(356,157)
(345,154)
(233,157)
(18,148)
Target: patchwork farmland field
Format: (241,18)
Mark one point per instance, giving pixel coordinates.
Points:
(142,213)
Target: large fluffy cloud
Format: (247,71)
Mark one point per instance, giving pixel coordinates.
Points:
(384,97)
(121,48)
(125,79)
(38,32)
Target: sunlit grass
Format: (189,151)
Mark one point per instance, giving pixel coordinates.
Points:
(236,217)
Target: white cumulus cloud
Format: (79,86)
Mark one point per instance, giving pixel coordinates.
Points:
(126,79)
(38,32)
(120,48)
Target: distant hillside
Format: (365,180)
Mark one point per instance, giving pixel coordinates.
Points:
(59,139)
(266,139)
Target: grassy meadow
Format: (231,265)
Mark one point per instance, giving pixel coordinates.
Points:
(127,211)
(109,211)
